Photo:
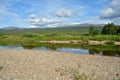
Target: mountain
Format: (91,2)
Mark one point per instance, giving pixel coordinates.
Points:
(83,25)
(68,28)
(11,27)
(72,25)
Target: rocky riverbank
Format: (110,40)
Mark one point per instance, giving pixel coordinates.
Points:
(90,42)
(44,65)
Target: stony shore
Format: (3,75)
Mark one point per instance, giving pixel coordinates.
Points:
(44,65)
(90,42)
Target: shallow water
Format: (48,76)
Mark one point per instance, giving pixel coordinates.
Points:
(75,50)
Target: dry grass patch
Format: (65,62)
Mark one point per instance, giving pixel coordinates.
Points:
(74,73)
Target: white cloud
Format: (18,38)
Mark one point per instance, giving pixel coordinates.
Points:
(107,12)
(75,23)
(42,22)
(33,26)
(112,11)
(62,12)
(45,20)
(116,20)
(95,20)
(33,16)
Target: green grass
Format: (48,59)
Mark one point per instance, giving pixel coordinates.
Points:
(105,37)
(28,38)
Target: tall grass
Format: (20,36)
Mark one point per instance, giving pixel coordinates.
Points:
(105,37)
(28,38)
(9,40)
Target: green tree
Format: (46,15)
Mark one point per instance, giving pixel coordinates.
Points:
(91,30)
(109,29)
(97,32)
(118,29)
(31,35)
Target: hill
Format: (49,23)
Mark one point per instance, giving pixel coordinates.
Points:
(67,28)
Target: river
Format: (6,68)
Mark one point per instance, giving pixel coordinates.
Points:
(69,49)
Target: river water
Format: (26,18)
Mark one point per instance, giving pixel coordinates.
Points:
(74,50)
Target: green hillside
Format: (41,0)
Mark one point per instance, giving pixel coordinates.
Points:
(17,31)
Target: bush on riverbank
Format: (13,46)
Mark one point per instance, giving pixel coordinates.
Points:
(105,37)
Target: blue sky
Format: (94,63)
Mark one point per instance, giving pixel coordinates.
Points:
(52,13)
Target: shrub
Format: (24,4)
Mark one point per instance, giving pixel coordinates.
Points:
(110,43)
(71,42)
(29,35)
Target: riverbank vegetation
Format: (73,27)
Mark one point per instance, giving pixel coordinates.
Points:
(109,33)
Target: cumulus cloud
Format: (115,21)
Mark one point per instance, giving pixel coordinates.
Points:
(112,11)
(42,22)
(33,26)
(75,23)
(62,12)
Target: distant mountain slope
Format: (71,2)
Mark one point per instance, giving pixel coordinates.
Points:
(85,25)
(11,27)
(67,28)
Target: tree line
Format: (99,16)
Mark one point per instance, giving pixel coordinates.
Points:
(108,29)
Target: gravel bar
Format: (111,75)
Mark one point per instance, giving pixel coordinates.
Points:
(50,65)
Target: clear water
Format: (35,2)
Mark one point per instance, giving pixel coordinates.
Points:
(68,49)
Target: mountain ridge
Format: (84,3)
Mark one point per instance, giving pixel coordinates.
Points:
(65,26)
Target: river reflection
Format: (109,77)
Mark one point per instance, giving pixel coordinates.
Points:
(76,49)
(104,52)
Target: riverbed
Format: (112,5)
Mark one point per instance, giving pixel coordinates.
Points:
(51,65)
